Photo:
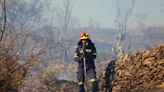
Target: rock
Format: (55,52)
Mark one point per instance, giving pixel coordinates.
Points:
(144,70)
(149,61)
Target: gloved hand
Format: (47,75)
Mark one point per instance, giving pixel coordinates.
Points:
(79,59)
(83,54)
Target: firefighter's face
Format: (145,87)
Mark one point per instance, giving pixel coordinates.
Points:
(84,41)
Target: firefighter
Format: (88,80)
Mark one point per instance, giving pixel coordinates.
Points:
(87,50)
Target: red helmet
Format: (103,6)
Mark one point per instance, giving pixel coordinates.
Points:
(84,36)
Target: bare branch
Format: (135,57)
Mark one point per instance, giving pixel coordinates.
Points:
(118,9)
(64,16)
(129,11)
(5,19)
(121,21)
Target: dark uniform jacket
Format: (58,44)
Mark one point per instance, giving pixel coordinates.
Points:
(88,52)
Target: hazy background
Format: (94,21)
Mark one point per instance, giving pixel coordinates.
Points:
(105,11)
(39,36)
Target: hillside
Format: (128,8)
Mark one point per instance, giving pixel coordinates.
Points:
(142,72)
